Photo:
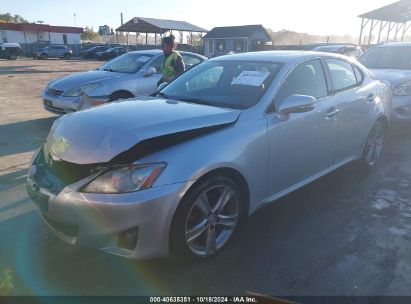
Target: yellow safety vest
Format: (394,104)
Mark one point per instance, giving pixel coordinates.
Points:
(168,68)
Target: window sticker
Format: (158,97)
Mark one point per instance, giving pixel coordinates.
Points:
(251,78)
(143,59)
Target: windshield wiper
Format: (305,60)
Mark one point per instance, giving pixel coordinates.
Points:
(164,95)
(197,101)
(210,103)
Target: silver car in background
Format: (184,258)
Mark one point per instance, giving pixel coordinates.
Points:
(391,62)
(178,172)
(342,49)
(129,75)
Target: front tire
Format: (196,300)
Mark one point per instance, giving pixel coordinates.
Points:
(67,56)
(373,147)
(43,56)
(206,219)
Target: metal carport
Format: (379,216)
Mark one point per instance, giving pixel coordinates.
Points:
(395,15)
(159,27)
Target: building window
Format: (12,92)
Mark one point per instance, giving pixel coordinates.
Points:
(239,45)
(221,45)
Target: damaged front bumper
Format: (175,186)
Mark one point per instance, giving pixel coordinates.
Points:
(132,225)
(61,105)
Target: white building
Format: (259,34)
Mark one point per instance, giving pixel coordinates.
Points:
(28,33)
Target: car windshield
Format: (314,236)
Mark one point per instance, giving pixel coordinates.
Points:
(229,84)
(128,63)
(387,58)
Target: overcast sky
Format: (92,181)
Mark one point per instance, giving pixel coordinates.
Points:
(324,17)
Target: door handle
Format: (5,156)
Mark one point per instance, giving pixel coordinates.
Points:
(371,97)
(331,113)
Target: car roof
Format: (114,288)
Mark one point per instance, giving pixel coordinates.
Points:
(278,56)
(157,52)
(394,44)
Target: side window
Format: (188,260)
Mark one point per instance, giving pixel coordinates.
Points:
(305,79)
(190,61)
(342,74)
(158,64)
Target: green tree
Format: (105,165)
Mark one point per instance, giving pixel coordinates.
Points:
(89,34)
(7,17)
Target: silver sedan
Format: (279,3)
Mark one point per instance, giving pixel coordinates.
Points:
(178,173)
(391,62)
(132,74)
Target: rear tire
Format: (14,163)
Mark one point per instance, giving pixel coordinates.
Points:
(44,56)
(13,57)
(206,219)
(373,146)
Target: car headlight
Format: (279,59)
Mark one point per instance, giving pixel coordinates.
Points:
(77,91)
(125,179)
(403,89)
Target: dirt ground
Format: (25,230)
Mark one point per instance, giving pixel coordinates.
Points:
(21,84)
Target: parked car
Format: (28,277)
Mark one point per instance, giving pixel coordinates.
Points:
(391,62)
(132,74)
(53,51)
(178,172)
(347,50)
(10,50)
(110,53)
(89,53)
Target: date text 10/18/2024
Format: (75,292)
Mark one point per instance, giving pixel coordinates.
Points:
(203,300)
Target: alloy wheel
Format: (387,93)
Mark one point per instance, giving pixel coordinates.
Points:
(212,220)
(374,144)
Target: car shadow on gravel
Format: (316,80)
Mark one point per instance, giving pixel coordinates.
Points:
(24,136)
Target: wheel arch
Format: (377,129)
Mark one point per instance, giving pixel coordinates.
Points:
(118,92)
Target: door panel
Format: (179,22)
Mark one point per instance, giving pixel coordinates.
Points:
(303,144)
(354,108)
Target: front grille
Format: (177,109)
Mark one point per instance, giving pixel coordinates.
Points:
(55,175)
(54,92)
(49,107)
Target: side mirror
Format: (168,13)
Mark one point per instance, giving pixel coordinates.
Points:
(162,86)
(296,104)
(150,71)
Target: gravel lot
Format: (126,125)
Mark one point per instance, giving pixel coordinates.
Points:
(345,234)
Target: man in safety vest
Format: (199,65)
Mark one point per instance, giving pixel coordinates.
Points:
(173,64)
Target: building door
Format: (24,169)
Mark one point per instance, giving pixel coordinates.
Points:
(210,48)
(64,38)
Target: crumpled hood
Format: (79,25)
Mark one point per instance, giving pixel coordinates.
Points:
(78,79)
(394,77)
(99,134)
